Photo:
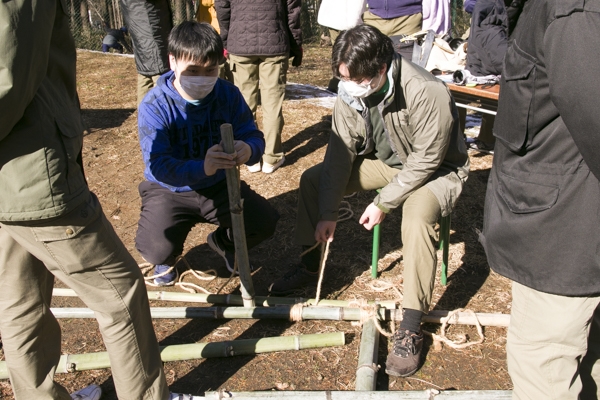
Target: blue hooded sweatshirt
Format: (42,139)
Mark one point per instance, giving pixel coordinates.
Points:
(175,134)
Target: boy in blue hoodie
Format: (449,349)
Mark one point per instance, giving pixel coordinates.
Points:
(179,131)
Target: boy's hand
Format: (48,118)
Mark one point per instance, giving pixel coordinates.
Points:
(217,159)
(242,152)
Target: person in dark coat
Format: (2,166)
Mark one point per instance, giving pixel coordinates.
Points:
(542,207)
(260,36)
(149,25)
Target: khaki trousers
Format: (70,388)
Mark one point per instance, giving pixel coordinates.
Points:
(271,72)
(420,213)
(83,251)
(553,346)
(144,84)
(405,25)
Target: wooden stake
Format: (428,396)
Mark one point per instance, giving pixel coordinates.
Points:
(237,220)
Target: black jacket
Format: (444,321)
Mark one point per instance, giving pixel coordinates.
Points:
(149,24)
(542,207)
(260,27)
(488,39)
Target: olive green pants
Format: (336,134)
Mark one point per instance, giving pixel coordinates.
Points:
(420,213)
(83,251)
(269,75)
(553,346)
(405,25)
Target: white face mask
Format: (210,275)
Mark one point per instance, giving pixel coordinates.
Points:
(197,87)
(360,90)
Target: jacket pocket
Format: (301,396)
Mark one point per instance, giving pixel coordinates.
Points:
(516,95)
(525,195)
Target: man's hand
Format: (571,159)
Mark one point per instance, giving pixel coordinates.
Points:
(324,231)
(217,159)
(243,152)
(371,217)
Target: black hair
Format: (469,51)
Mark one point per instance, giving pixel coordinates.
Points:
(364,50)
(197,42)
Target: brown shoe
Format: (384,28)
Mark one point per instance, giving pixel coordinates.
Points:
(405,356)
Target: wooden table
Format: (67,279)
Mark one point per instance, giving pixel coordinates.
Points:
(487,98)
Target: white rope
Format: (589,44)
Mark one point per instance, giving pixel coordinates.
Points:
(461,343)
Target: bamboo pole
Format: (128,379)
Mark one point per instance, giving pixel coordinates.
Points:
(366,373)
(232,299)
(276,312)
(236,208)
(308,313)
(348,395)
(180,352)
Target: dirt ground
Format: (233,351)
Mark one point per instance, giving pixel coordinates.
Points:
(114,168)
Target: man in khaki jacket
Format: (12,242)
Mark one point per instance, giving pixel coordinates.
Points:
(395,127)
(51,225)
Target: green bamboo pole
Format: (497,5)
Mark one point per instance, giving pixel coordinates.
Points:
(366,373)
(232,299)
(236,208)
(348,395)
(180,352)
(308,313)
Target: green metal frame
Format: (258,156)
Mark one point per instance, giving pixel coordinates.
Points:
(444,246)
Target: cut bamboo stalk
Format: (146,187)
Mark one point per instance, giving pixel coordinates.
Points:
(276,312)
(180,352)
(236,208)
(366,373)
(232,299)
(348,395)
(308,313)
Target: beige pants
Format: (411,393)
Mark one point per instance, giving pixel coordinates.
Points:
(553,346)
(420,213)
(271,72)
(83,251)
(406,25)
(144,84)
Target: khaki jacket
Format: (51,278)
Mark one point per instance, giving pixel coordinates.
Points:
(421,123)
(41,132)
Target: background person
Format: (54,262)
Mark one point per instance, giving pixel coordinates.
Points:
(115,39)
(395,17)
(541,209)
(260,36)
(395,127)
(149,25)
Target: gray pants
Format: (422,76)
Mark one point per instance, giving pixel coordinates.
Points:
(420,213)
(553,346)
(83,251)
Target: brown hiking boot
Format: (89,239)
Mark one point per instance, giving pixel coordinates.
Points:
(403,360)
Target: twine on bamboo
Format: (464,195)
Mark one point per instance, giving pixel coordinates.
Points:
(369,312)
(461,343)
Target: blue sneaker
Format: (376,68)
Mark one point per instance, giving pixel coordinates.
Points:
(92,392)
(168,279)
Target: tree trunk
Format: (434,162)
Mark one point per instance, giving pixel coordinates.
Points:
(85,18)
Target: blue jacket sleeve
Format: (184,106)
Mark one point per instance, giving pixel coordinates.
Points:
(157,153)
